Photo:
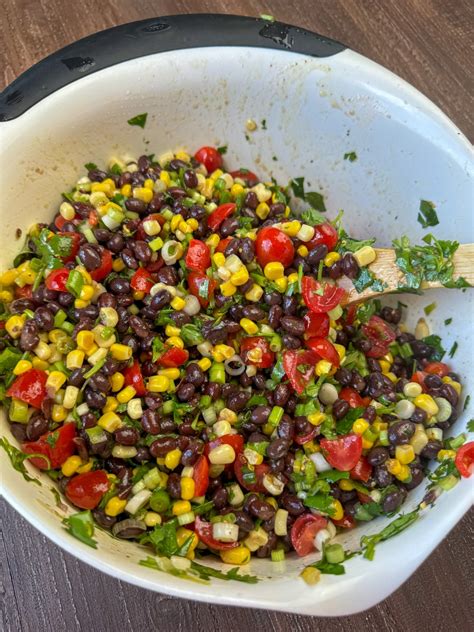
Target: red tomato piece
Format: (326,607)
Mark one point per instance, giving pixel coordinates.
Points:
(30,387)
(222,212)
(259,472)
(464,460)
(344,452)
(133,377)
(209,157)
(234,440)
(437,368)
(380,334)
(204,532)
(321,298)
(323,234)
(87,490)
(304,531)
(299,368)
(198,256)
(362,470)
(346,522)
(201,476)
(267,357)
(24,292)
(273,245)
(59,221)
(202,287)
(309,436)
(75,239)
(324,349)
(222,245)
(247,176)
(316,324)
(419,377)
(105,267)
(56,280)
(141,281)
(364,498)
(93,218)
(351,396)
(57,446)
(172,358)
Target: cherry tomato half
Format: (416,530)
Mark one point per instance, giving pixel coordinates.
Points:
(204,531)
(86,490)
(173,358)
(133,377)
(57,446)
(141,281)
(352,397)
(316,324)
(299,368)
(362,470)
(251,480)
(464,460)
(323,234)
(344,452)
(247,176)
(321,298)
(201,476)
(56,280)
(437,368)
(202,287)
(209,157)
(273,245)
(105,267)
(222,212)
(380,334)
(29,387)
(303,532)
(267,357)
(198,256)
(324,349)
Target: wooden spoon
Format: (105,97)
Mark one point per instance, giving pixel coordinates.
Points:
(385,269)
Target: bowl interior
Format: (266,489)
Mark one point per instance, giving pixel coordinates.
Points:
(309,113)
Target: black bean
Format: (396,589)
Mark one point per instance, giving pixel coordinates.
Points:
(363,345)
(449,392)
(116,243)
(194,374)
(119,285)
(293,325)
(219,498)
(401,432)
(253,312)
(276,209)
(291,342)
(433,381)
(292,504)
(259,382)
(377,455)
(290,305)
(238,401)
(261,509)
(150,421)
(350,267)
(94,399)
(260,414)
(18,431)
(127,436)
(243,521)
(190,179)
(135,205)
(340,408)
(102,234)
(382,477)
(96,175)
(335,271)
(139,327)
(417,477)
(391,314)
(173,485)
(21,304)
(274,315)
(213,389)
(317,254)
(302,425)
(103,520)
(107,300)
(161,446)
(167,275)
(286,428)
(89,257)
(247,250)
(192,452)
(185,391)
(431,449)
(82,209)
(229,226)
(419,416)
(142,251)
(29,337)
(37,426)
(281,395)
(128,259)
(251,200)
(392,501)
(370,414)
(277,448)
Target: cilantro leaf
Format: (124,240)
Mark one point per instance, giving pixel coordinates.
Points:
(81,526)
(222,150)
(351,156)
(157,348)
(8,359)
(163,538)
(316,200)
(191,334)
(17,459)
(369,542)
(453,349)
(90,166)
(344,425)
(139,120)
(470,425)
(434,341)
(427,215)
(321,502)
(206,571)
(429,308)
(348,243)
(312,217)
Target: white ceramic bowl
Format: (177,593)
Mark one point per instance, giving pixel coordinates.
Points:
(200,78)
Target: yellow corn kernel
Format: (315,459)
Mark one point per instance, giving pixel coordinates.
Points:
(75,359)
(138,295)
(6,296)
(193,223)
(172,330)
(115,506)
(85,340)
(182,155)
(219,259)
(92,350)
(165,177)
(281,284)
(346,485)
(121,352)
(185,228)
(446,454)
(158,384)
(338,511)
(178,303)
(239,555)
(181,507)
(117,381)
(389,357)
(385,366)
(341,351)
(404,473)
(236,189)
(303,251)
(55,380)
(22,366)
(240,277)
(80,304)
(152,519)
(58,413)
(172,374)
(379,426)
(110,421)
(216,174)
(323,367)
(254,294)
(183,535)
(126,394)
(426,403)
(187,487)
(262,210)
(360,426)
(274,270)
(316,418)
(118,265)
(391,376)
(87,292)
(143,193)
(365,256)
(248,326)
(71,465)
(213,240)
(86,467)
(311,575)
(255,355)
(394,466)
(225,350)
(39,364)
(228,289)
(367,444)
(204,364)
(126,190)
(111,404)
(175,341)
(293,277)
(8,277)
(172,459)
(14,325)
(331,258)
(291,228)
(175,221)
(404,454)
(149,184)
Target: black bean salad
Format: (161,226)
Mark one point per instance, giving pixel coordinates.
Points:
(175,353)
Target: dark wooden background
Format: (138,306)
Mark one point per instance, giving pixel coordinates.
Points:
(430,44)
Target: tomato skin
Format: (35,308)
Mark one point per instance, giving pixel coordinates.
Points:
(259,471)
(105,267)
(352,397)
(222,245)
(323,234)
(351,314)
(257,342)
(362,470)
(75,239)
(325,349)
(63,448)
(248,177)
(222,212)
(316,324)
(380,334)
(273,245)
(309,436)
(29,387)
(173,358)
(419,377)
(198,256)
(234,440)
(464,460)
(320,304)
(346,522)
(24,292)
(437,368)
(56,280)
(195,281)
(59,221)
(86,490)
(209,157)
(141,281)
(203,530)
(344,452)
(303,532)
(201,476)
(294,359)
(133,377)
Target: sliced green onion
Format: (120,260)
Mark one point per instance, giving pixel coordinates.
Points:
(156,244)
(131,215)
(18,411)
(448,483)
(94,369)
(334,553)
(276,416)
(167,407)
(67,327)
(160,501)
(217,373)
(186,518)
(59,318)
(107,332)
(75,283)
(29,313)
(96,434)
(205,401)
(275,343)
(278,555)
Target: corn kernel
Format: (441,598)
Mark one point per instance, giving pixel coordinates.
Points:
(117,381)
(293,277)
(456,385)
(126,190)
(70,396)
(183,535)
(341,351)
(404,454)
(37,363)
(274,270)
(391,376)
(346,485)
(181,507)
(178,303)
(86,467)
(394,466)
(316,418)
(281,284)
(8,277)
(126,394)
(311,575)
(118,265)
(87,292)
(152,519)
(219,259)
(248,326)
(337,510)
(213,240)
(254,294)
(404,474)
(75,359)
(121,352)
(187,488)
(426,403)
(58,413)
(303,251)
(385,366)
(22,366)
(111,404)
(172,459)
(360,426)
(6,296)
(305,233)
(80,304)
(165,177)
(71,465)
(110,421)
(85,340)
(158,384)
(216,174)
(291,228)
(14,325)
(228,289)
(171,330)
(115,506)
(331,258)
(367,443)
(239,555)
(446,454)
(223,350)
(138,295)
(204,364)
(262,210)
(175,341)
(240,277)
(55,380)
(365,256)
(323,367)
(175,221)
(143,193)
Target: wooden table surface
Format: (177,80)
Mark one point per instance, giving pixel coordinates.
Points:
(430,44)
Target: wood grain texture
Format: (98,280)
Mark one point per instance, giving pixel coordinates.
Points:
(430,44)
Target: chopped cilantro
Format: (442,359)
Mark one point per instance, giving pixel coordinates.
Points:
(315,199)
(434,341)
(344,425)
(448,321)
(369,542)
(263,123)
(427,215)
(453,350)
(81,526)
(139,120)
(466,402)
(429,308)
(347,243)
(90,166)
(351,156)
(191,334)
(157,348)
(116,170)
(17,459)
(470,425)
(367,279)
(222,150)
